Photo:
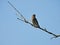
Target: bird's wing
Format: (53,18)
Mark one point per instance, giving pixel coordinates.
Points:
(36,22)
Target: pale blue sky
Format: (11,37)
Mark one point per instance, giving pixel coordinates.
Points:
(15,32)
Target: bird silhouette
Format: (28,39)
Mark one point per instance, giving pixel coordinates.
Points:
(34,21)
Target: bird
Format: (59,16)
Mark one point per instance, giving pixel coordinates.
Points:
(34,21)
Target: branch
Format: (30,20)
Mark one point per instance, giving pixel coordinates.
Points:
(17,11)
(24,20)
(55,36)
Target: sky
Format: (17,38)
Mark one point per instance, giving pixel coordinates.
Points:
(16,32)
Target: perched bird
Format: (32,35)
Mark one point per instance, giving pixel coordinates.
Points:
(34,21)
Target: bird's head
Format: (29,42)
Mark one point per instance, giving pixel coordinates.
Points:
(34,15)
